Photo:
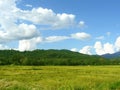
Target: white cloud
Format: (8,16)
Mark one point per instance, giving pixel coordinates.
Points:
(27,31)
(81,36)
(55,38)
(44,16)
(74,49)
(25,45)
(99,48)
(81,24)
(86,50)
(64,20)
(9,28)
(21,25)
(109,48)
(117,44)
(104,48)
(23,31)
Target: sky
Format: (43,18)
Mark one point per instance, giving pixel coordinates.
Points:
(85,26)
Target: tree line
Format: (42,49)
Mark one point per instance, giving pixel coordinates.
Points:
(52,57)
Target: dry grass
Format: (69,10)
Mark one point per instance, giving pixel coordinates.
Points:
(59,77)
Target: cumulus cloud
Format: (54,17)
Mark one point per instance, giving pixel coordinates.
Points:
(104,48)
(117,44)
(9,28)
(55,38)
(81,24)
(30,44)
(21,25)
(44,16)
(81,36)
(27,31)
(22,31)
(99,48)
(86,50)
(109,48)
(74,49)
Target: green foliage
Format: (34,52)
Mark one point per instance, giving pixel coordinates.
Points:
(115,86)
(51,57)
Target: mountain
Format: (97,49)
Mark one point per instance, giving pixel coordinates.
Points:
(49,57)
(114,55)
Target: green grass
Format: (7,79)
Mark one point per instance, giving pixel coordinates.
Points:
(59,77)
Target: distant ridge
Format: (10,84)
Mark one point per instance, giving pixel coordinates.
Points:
(114,55)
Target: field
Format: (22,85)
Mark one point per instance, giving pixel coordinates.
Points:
(59,77)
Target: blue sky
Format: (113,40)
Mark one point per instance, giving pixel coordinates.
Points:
(85,26)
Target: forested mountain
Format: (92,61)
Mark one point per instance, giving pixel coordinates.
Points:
(50,57)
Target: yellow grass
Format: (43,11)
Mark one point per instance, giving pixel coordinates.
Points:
(59,77)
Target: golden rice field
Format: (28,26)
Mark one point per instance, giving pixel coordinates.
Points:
(59,77)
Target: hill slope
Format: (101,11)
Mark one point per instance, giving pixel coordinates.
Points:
(49,57)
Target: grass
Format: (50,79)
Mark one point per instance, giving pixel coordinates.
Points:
(59,77)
